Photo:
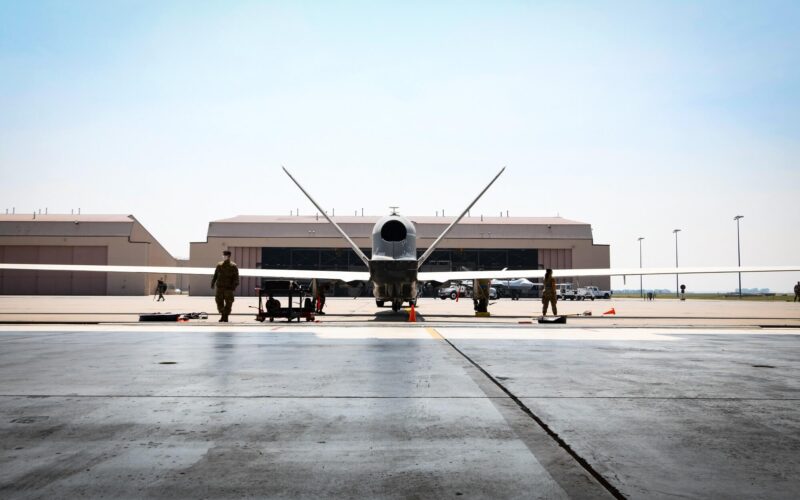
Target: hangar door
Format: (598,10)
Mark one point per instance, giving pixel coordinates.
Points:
(53,282)
(247,258)
(555,258)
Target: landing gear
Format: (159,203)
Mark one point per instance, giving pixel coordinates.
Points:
(379,303)
(396,305)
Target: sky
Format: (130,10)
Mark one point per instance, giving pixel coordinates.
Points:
(636,117)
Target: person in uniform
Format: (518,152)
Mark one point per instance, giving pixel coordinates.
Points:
(480,295)
(225,280)
(273,305)
(549,294)
(160,289)
(797,292)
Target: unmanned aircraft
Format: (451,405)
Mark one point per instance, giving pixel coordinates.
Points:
(394,269)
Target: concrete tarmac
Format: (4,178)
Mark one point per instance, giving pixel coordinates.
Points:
(628,312)
(383,409)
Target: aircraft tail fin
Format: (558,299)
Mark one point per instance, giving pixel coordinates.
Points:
(433,246)
(341,231)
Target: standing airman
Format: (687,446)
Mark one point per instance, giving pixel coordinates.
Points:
(797,292)
(549,293)
(481,295)
(226,279)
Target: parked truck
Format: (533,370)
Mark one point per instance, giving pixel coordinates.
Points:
(596,293)
(568,291)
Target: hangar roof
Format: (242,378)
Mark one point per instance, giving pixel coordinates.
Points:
(421,219)
(66,225)
(66,218)
(287,226)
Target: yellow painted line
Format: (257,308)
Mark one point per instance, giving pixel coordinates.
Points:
(433,333)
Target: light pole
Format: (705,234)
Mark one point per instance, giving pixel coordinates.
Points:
(641,289)
(677,288)
(739,252)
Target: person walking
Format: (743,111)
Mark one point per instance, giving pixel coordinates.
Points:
(225,281)
(549,293)
(797,292)
(161,287)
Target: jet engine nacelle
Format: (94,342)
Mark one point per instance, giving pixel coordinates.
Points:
(394,237)
(393,266)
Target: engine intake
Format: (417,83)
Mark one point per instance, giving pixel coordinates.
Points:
(393,230)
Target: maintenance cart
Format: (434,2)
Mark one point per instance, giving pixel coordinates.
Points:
(290,290)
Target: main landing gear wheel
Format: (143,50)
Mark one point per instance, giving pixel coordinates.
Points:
(379,303)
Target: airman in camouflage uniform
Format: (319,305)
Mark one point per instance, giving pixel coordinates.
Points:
(797,292)
(480,295)
(549,293)
(226,279)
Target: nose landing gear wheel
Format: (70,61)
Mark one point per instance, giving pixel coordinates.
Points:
(396,305)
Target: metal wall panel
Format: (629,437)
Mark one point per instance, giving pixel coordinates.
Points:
(555,258)
(53,282)
(20,282)
(90,283)
(247,258)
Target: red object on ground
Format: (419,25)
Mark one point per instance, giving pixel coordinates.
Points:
(412,315)
(610,311)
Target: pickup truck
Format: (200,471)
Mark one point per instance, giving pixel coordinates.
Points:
(573,294)
(462,290)
(566,291)
(596,293)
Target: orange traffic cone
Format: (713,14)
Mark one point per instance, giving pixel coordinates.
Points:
(610,311)
(412,315)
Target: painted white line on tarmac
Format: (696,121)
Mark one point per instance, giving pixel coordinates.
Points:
(393,332)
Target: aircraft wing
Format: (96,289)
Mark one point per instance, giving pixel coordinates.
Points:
(347,276)
(444,276)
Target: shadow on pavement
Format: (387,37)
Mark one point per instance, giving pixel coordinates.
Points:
(390,316)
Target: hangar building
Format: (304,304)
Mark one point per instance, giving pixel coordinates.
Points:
(79,239)
(310,242)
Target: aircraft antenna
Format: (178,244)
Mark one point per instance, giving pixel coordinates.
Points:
(433,246)
(325,214)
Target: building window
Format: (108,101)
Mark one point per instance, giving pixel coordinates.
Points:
(276,258)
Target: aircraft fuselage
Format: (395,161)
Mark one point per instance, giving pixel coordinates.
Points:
(393,266)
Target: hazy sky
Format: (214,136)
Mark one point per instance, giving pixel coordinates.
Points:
(637,117)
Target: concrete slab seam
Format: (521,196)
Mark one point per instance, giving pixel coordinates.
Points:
(563,444)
